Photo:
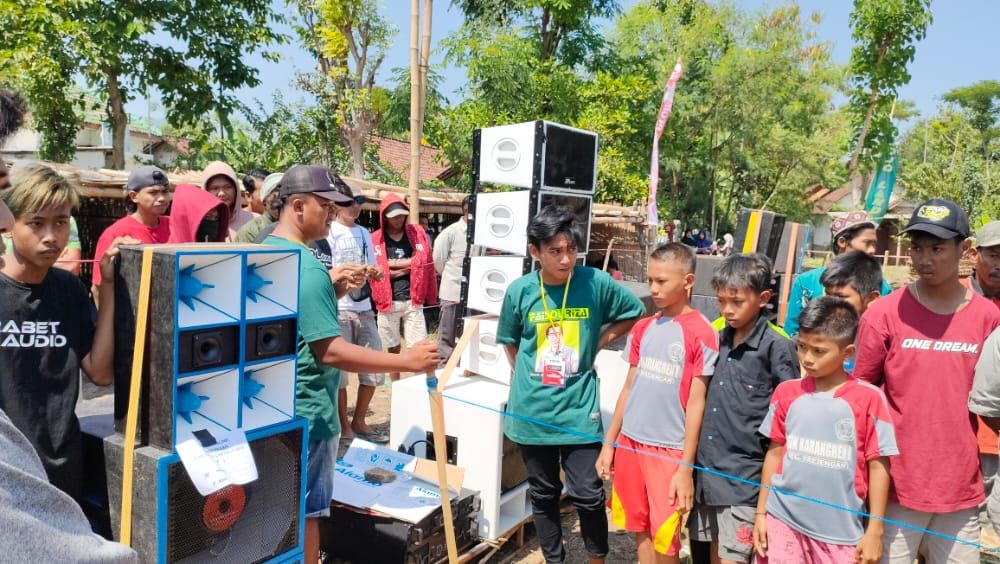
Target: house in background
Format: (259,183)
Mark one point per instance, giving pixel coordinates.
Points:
(396,155)
(829,204)
(143,145)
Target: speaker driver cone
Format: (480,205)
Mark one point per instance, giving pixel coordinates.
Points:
(223,508)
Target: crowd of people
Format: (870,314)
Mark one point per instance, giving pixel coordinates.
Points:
(855,441)
(52,329)
(849,434)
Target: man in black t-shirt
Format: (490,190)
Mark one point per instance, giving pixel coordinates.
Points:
(48,331)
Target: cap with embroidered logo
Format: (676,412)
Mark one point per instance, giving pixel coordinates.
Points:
(941,218)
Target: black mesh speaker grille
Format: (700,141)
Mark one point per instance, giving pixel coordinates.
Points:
(269,523)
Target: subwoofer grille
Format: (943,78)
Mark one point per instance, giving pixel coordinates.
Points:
(266,527)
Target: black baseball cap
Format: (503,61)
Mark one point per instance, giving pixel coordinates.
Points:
(316,180)
(940,218)
(146,176)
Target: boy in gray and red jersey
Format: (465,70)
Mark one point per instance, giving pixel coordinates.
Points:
(830,438)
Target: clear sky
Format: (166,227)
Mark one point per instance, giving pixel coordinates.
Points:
(961,48)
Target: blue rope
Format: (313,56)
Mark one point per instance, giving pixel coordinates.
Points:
(596,439)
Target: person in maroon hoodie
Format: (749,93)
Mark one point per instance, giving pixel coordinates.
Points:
(403,251)
(197,216)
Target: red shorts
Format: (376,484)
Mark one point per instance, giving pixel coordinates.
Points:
(639,493)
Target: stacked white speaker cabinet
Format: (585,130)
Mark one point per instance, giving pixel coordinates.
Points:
(518,170)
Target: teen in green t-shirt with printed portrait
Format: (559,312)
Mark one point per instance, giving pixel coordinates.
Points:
(551,326)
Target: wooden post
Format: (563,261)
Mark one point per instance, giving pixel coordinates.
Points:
(786,283)
(413,194)
(607,253)
(434,387)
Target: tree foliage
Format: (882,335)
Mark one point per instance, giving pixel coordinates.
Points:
(940,158)
(192,55)
(885,35)
(349,39)
(40,68)
(751,125)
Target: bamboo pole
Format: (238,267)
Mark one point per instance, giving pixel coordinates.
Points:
(413,195)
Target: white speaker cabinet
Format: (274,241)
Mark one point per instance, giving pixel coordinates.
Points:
(473,422)
(612,370)
(538,154)
(484,356)
(489,278)
(501,218)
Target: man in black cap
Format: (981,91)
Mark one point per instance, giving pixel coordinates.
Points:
(921,344)
(309,194)
(147,197)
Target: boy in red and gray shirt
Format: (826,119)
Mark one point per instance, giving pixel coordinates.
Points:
(831,436)
(921,345)
(657,420)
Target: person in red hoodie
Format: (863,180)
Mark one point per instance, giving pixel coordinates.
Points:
(197,216)
(402,250)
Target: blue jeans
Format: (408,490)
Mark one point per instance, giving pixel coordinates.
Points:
(321,464)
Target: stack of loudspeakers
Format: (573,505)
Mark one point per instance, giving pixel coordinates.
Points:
(220,355)
(517,170)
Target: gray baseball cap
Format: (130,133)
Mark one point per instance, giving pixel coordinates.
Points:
(988,235)
(146,176)
(316,180)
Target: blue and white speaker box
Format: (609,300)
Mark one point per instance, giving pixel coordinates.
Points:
(221,339)
(262,521)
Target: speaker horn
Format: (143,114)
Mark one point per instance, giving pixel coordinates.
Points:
(268,394)
(208,289)
(271,288)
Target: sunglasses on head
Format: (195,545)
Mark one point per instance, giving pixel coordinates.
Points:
(359,200)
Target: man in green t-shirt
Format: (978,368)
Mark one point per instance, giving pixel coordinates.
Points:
(308,193)
(550,325)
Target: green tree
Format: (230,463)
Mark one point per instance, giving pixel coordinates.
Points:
(941,157)
(348,38)
(193,56)
(32,63)
(981,101)
(885,35)
(752,123)
(563,29)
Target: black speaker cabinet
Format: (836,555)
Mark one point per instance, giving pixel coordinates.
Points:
(763,227)
(791,251)
(358,536)
(705,267)
(220,317)
(537,154)
(261,521)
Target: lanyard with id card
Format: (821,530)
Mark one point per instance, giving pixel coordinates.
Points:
(553,365)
